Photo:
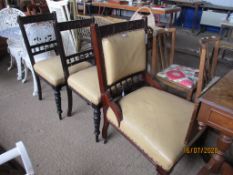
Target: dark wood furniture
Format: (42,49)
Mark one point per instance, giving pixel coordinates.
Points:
(162,59)
(134,103)
(157,11)
(216,111)
(84,82)
(49,69)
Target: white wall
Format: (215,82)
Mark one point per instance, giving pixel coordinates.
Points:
(228,3)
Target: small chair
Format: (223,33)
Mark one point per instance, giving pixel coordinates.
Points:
(84,82)
(159,124)
(50,68)
(10,27)
(181,78)
(19,151)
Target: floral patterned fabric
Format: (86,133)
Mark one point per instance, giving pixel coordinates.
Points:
(184,76)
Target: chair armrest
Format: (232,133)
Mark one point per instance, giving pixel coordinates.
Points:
(210,84)
(148,79)
(114,106)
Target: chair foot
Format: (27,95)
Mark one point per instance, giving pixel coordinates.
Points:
(96,138)
(97,114)
(161,171)
(57,95)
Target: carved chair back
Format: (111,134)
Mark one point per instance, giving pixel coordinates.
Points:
(38,34)
(68,59)
(121,56)
(164,49)
(8,18)
(209,50)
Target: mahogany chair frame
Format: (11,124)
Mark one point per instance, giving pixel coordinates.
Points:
(76,58)
(34,50)
(111,94)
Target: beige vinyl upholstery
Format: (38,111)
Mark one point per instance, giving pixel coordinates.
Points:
(85,82)
(157,122)
(125,54)
(51,70)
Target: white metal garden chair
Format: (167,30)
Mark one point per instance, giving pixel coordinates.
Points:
(10,29)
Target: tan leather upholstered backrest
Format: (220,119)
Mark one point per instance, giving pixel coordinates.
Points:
(124,54)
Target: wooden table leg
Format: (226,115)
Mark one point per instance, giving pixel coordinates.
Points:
(195,18)
(215,163)
(170,20)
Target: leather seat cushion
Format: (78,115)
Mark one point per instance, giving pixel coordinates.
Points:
(51,70)
(157,122)
(85,82)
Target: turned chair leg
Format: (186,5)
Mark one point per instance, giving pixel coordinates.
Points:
(105,130)
(97,114)
(70,101)
(38,87)
(57,95)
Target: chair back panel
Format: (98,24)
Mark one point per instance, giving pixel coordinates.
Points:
(63,15)
(69,59)
(125,54)
(209,49)
(43,42)
(208,60)
(164,49)
(8,18)
(115,44)
(38,34)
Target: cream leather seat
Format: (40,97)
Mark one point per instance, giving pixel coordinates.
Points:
(51,70)
(145,113)
(85,82)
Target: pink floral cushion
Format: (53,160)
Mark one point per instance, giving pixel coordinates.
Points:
(181,75)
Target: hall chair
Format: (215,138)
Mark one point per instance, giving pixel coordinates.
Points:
(84,82)
(158,123)
(48,68)
(181,78)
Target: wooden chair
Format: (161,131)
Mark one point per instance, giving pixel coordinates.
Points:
(175,76)
(159,124)
(49,69)
(85,82)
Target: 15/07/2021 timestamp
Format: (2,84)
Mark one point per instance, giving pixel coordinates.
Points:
(200,150)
